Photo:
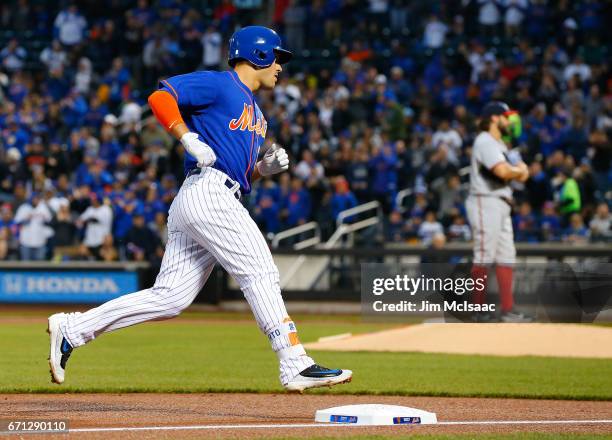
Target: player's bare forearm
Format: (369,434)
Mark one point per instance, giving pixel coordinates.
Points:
(508,172)
(525,172)
(179,130)
(514,173)
(256,174)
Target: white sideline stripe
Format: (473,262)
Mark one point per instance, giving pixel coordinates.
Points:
(308,425)
(326,425)
(524,422)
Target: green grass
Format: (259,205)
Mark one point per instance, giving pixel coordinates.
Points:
(516,436)
(232,356)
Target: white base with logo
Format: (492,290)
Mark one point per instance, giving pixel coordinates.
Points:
(375,414)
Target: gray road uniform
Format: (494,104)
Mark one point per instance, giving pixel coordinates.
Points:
(489,204)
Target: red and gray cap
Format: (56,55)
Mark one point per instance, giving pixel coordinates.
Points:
(496,108)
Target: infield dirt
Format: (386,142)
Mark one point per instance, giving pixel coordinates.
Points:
(499,339)
(133,410)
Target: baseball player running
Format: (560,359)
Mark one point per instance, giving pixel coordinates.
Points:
(489,207)
(217,120)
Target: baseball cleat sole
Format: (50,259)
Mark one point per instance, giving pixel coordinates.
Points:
(301,383)
(59,349)
(53,378)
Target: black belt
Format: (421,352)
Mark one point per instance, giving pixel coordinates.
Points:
(227,182)
(508,200)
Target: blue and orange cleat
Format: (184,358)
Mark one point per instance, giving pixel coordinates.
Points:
(317,376)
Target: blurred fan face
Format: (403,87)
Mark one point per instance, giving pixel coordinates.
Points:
(576,221)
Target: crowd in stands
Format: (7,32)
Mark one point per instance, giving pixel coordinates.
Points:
(383,95)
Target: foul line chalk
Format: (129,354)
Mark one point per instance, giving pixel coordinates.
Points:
(319,425)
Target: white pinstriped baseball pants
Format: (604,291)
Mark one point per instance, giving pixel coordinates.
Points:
(206,224)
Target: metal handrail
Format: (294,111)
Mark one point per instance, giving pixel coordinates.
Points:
(358,210)
(342,230)
(297,264)
(337,235)
(309,242)
(399,199)
(288,233)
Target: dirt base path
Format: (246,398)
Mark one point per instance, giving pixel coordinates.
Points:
(209,411)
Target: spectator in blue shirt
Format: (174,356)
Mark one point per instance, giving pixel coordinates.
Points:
(15,136)
(110,148)
(141,241)
(266,214)
(96,177)
(17,90)
(74,108)
(343,198)
(401,88)
(57,85)
(550,222)
(142,13)
(95,113)
(117,79)
(576,232)
(126,206)
(384,174)
(268,188)
(153,205)
(297,204)
(420,205)
(452,94)
(358,175)
(395,231)
(525,224)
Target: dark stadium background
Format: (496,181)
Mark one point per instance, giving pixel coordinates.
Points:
(380,103)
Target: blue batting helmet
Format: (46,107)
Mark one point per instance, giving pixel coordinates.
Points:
(258,45)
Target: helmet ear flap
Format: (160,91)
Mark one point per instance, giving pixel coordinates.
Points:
(260,54)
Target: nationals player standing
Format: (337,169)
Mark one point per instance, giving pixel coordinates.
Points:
(489,207)
(218,122)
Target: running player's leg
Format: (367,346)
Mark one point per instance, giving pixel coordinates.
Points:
(224,227)
(185,268)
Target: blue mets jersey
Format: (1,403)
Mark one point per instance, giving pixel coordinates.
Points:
(223,112)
